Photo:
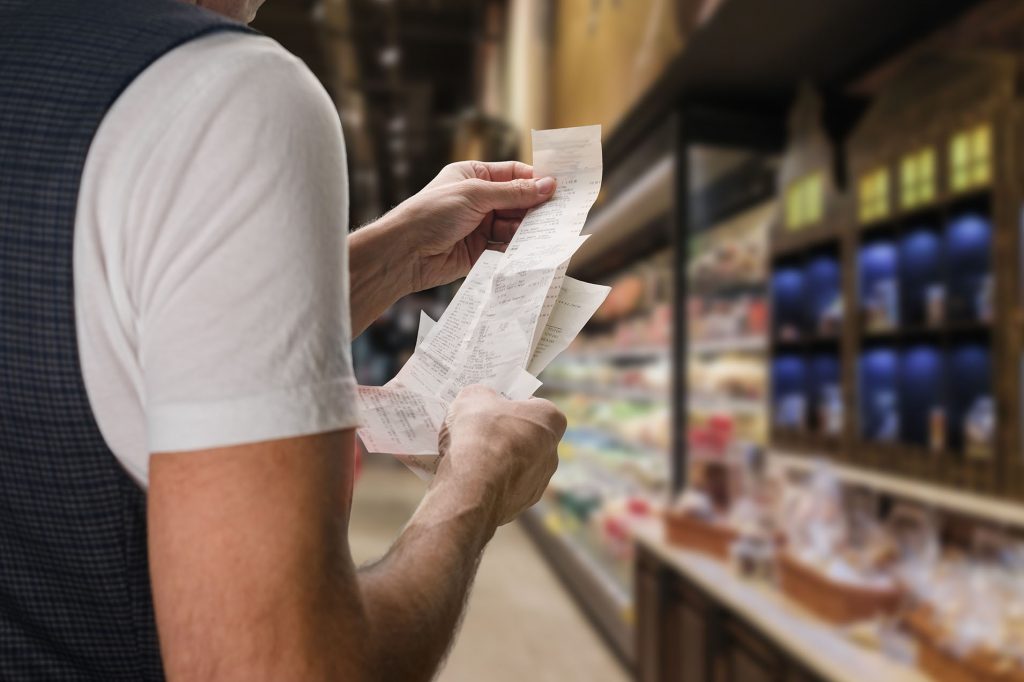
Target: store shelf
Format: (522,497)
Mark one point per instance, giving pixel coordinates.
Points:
(649,197)
(940,497)
(733,406)
(746,344)
(607,603)
(732,64)
(617,354)
(817,645)
(635,394)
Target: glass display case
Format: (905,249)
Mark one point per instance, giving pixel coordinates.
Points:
(614,386)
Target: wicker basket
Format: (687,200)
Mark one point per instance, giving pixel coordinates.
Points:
(943,666)
(700,536)
(835,602)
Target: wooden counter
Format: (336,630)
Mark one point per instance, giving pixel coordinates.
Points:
(807,647)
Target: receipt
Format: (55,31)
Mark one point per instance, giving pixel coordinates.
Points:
(399,420)
(426,324)
(514,313)
(576,303)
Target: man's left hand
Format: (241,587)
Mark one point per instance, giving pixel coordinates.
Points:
(469,206)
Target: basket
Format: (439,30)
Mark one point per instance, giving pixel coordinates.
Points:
(835,602)
(691,533)
(944,666)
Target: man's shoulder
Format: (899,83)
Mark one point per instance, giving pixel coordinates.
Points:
(249,78)
(223,55)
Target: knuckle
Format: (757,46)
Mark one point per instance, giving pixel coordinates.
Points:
(478,169)
(523,187)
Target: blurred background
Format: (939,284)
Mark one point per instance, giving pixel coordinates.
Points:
(794,449)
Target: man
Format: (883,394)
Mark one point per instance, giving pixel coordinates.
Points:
(175,377)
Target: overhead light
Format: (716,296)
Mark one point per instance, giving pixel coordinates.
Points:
(400,168)
(397,124)
(390,56)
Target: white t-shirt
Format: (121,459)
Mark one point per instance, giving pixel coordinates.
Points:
(210,260)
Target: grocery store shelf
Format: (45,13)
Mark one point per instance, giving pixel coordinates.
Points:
(649,197)
(613,354)
(819,646)
(745,344)
(607,603)
(635,394)
(940,497)
(735,406)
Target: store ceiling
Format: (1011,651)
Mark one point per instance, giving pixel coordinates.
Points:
(411,77)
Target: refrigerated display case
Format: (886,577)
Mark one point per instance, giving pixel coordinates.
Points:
(614,386)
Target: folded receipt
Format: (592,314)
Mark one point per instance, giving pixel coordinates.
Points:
(514,313)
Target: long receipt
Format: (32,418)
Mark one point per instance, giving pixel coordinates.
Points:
(514,313)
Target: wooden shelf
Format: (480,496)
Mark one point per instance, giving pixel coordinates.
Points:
(807,342)
(937,496)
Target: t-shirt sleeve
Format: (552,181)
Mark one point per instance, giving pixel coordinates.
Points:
(238,263)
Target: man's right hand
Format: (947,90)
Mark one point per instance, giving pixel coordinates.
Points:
(500,452)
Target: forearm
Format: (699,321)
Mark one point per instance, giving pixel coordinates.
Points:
(413,599)
(379,271)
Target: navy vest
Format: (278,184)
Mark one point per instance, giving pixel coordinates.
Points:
(75,599)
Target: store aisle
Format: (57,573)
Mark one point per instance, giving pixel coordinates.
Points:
(521,623)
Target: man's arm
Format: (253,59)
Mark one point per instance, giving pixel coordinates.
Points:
(251,570)
(435,236)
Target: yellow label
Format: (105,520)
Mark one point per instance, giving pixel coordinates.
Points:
(970,158)
(805,201)
(873,195)
(917,178)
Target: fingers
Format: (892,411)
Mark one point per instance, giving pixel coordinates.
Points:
(503,229)
(503,171)
(476,392)
(514,194)
(547,414)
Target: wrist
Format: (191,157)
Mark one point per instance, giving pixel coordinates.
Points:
(466,497)
(380,259)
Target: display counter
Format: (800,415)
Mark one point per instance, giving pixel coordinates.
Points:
(713,624)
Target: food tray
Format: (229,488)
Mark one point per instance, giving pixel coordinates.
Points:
(835,602)
(691,533)
(944,666)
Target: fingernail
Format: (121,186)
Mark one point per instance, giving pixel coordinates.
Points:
(546,185)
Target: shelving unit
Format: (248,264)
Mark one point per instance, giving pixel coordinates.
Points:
(732,86)
(927,241)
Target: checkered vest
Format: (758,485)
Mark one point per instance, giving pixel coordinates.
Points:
(75,600)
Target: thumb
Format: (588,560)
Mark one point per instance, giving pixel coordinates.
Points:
(520,193)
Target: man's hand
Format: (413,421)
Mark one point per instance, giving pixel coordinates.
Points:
(501,450)
(469,205)
(435,236)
